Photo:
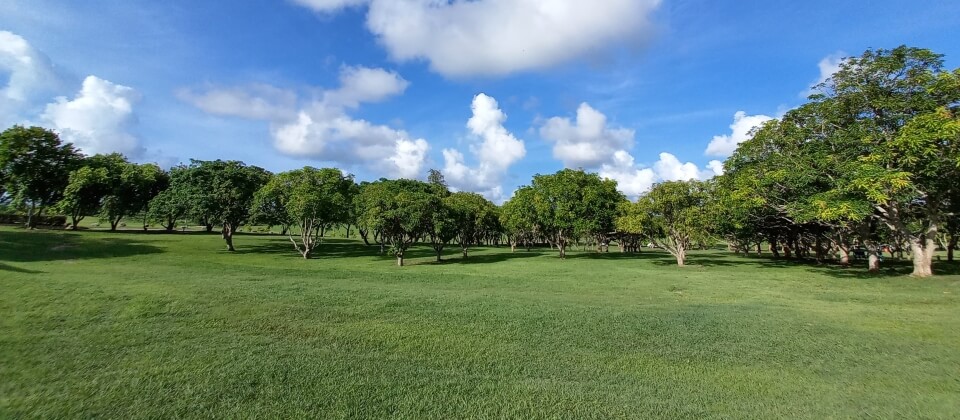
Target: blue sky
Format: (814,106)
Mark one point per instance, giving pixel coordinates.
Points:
(489,91)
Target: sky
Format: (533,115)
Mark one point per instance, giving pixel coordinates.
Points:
(490,92)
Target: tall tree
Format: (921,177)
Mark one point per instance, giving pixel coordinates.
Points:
(131,187)
(893,114)
(36,167)
(518,217)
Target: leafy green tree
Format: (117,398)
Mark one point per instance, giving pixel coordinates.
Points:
(672,216)
(222,192)
(131,190)
(85,190)
(572,203)
(892,118)
(401,210)
(36,167)
(311,199)
(518,217)
(472,216)
(169,206)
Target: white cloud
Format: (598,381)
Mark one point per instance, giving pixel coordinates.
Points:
(325,6)
(495,151)
(634,180)
(31,80)
(587,142)
(323,128)
(725,145)
(828,66)
(98,119)
(365,85)
(259,102)
(496,37)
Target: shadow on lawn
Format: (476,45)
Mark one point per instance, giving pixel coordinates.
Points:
(45,245)
(856,270)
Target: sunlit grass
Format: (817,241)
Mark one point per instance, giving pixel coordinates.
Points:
(119,325)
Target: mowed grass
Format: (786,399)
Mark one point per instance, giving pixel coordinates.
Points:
(133,325)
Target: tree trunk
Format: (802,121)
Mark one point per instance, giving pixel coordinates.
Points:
(950,246)
(399,260)
(922,257)
(759,250)
(681,257)
(114,223)
(873,262)
(74,221)
(844,255)
(227,234)
(209,228)
(439,254)
(774,248)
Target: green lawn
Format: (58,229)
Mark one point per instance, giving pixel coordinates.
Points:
(123,325)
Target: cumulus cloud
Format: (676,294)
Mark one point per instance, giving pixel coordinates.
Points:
(323,128)
(495,150)
(724,145)
(98,119)
(634,180)
(587,142)
(31,78)
(496,37)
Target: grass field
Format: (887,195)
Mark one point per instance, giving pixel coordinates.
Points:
(133,325)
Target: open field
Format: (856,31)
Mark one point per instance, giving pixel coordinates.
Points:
(97,324)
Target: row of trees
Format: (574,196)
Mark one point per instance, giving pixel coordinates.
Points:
(873,158)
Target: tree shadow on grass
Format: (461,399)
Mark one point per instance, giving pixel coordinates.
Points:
(45,245)
(856,270)
(6,267)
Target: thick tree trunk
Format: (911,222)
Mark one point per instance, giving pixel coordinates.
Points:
(439,254)
(922,257)
(950,246)
(209,228)
(74,221)
(774,248)
(844,255)
(873,262)
(399,260)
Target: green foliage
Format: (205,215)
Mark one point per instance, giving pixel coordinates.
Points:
(573,203)
(673,215)
(35,165)
(401,210)
(472,217)
(221,192)
(85,189)
(310,198)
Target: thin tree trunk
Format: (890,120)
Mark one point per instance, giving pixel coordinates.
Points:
(227,234)
(950,246)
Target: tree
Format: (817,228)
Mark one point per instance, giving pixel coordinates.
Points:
(169,206)
(84,192)
(572,203)
(36,167)
(672,215)
(131,190)
(893,112)
(312,199)
(472,216)
(518,217)
(400,209)
(222,192)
